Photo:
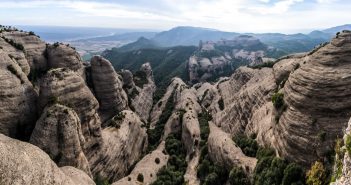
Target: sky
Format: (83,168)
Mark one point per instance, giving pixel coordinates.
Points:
(258,16)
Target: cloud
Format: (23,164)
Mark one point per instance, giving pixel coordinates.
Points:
(277,8)
(228,15)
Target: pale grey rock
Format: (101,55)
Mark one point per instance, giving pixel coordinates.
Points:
(16,55)
(17,100)
(124,143)
(64,56)
(23,163)
(143,100)
(58,132)
(35,49)
(147,166)
(223,151)
(108,88)
(68,88)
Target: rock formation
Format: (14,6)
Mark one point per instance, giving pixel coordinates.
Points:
(58,132)
(124,142)
(142,97)
(223,151)
(345,175)
(17,100)
(108,89)
(16,55)
(68,88)
(23,163)
(148,167)
(318,100)
(64,56)
(34,47)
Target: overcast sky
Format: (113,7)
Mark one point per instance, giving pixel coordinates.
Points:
(286,16)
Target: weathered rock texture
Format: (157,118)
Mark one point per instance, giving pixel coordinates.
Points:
(58,132)
(23,163)
(318,98)
(124,142)
(224,152)
(35,49)
(64,56)
(148,167)
(16,55)
(142,102)
(345,177)
(108,88)
(17,100)
(176,86)
(68,88)
(247,103)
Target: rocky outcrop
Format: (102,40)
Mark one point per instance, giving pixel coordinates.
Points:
(58,132)
(143,99)
(68,88)
(124,142)
(246,103)
(23,163)
(318,99)
(16,55)
(177,85)
(148,167)
(64,56)
(108,88)
(34,47)
(224,152)
(345,159)
(17,100)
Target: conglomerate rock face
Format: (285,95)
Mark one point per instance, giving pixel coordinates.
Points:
(68,88)
(318,99)
(23,163)
(35,49)
(224,151)
(108,88)
(17,100)
(148,166)
(64,56)
(58,132)
(142,102)
(124,142)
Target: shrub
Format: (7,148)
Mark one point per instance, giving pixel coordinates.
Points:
(322,136)
(140,78)
(293,174)
(140,177)
(278,100)
(101,181)
(237,176)
(211,179)
(269,64)
(157,160)
(248,145)
(316,175)
(221,104)
(348,143)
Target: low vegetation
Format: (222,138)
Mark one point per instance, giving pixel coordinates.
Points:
(140,78)
(173,172)
(156,133)
(248,145)
(317,175)
(269,64)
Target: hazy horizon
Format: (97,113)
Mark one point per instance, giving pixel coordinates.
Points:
(250,16)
